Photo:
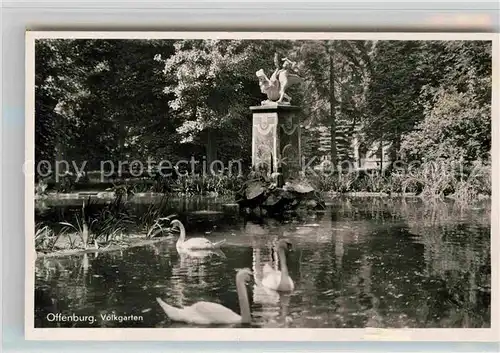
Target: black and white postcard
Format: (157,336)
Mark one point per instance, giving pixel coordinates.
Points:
(261,186)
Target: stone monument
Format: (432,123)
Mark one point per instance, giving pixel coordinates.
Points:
(276,126)
(275,186)
(276,140)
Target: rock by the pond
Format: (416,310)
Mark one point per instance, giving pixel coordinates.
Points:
(206,212)
(105,195)
(298,188)
(312,203)
(271,200)
(230,207)
(264,198)
(254,190)
(88,193)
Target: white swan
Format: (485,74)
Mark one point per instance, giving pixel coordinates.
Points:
(279,280)
(193,243)
(206,313)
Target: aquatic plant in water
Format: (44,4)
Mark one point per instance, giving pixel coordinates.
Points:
(98,225)
(45,238)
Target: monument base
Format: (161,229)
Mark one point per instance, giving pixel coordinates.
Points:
(276,140)
(263,197)
(273,188)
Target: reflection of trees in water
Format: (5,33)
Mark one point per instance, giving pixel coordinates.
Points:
(428,266)
(367,301)
(371,263)
(437,214)
(110,282)
(339,249)
(379,210)
(455,302)
(177,284)
(189,274)
(51,297)
(457,259)
(462,281)
(411,210)
(339,288)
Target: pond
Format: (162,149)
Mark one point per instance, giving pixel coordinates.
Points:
(365,262)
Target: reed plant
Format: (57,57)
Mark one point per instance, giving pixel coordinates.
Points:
(45,237)
(431,181)
(97,224)
(190,185)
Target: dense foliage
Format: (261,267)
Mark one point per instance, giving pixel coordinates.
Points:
(125,100)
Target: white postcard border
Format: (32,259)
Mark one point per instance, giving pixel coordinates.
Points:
(234,334)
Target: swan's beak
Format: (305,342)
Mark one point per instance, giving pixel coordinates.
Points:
(249,278)
(246,271)
(174,227)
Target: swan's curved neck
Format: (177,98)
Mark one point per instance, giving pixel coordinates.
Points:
(283,265)
(241,289)
(182,236)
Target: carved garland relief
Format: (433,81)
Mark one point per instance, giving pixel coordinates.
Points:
(279,143)
(264,140)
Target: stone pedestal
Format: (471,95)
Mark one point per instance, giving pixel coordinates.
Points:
(276,139)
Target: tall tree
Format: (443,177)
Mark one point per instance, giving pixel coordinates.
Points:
(103,99)
(456,124)
(214,84)
(336,75)
(56,80)
(393,98)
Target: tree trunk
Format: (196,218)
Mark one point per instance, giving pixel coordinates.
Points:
(211,149)
(59,143)
(394,152)
(381,156)
(333,112)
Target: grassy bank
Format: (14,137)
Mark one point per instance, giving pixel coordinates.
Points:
(190,185)
(126,242)
(431,182)
(97,226)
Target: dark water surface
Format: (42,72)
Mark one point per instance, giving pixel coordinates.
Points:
(362,263)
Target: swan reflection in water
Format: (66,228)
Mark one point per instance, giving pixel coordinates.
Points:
(191,264)
(273,304)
